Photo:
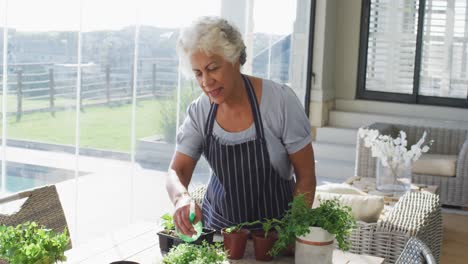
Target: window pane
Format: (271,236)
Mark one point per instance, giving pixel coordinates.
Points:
(163,94)
(2,26)
(391,45)
(51,73)
(107,55)
(444,67)
(280,42)
(41,93)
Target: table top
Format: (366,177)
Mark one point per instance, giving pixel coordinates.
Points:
(153,255)
(140,243)
(367,185)
(339,257)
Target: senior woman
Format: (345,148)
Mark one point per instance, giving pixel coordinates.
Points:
(252,132)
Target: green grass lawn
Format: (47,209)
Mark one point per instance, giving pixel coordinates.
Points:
(101,127)
(27,104)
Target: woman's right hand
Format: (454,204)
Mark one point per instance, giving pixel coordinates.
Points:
(182,216)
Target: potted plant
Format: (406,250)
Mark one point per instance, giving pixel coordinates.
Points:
(235,240)
(314,230)
(264,240)
(31,243)
(394,159)
(196,254)
(168,237)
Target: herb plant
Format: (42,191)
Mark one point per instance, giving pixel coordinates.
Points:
(236,228)
(269,224)
(30,243)
(168,222)
(330,215)
(196,254)
(336,219)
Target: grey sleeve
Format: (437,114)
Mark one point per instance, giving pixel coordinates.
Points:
(296,130)
(190,133)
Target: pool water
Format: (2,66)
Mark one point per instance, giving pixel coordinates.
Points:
(22,176)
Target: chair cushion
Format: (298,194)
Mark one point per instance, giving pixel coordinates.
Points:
(436,164)
(365,208)
(341,188)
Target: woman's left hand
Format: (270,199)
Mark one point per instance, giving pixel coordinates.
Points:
(182,217)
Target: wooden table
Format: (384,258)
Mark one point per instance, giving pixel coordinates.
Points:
(153,255)
(339,257)
(139,243)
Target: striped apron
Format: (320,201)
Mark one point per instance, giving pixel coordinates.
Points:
(244,186)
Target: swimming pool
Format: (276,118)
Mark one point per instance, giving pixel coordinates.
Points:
(23,176)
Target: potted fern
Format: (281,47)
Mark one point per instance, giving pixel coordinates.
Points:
(31,243)
(314,230)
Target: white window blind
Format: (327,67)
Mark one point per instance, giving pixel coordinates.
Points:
(392,45)
(444,62)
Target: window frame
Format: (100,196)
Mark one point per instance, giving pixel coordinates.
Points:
(310,71)
(414,98)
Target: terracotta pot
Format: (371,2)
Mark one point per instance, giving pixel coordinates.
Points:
(264,244)
(317,245)
(234,243)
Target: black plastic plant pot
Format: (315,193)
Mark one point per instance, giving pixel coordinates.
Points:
(167,241)
(207,235)
(124,262)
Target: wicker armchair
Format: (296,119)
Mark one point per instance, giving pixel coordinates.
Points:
(42,206)
(414,215)
(453,190)
(416,252)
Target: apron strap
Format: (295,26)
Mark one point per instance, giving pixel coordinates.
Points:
(255,107)
(253,104)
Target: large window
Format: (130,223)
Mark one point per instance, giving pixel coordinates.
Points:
(414,51)
(94,95)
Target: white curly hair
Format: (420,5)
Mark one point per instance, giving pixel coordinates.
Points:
(212,35)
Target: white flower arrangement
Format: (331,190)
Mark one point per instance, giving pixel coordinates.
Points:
(393,152)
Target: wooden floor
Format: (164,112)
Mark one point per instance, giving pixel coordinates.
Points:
(455,243)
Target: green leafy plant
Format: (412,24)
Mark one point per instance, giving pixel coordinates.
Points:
(31,243)
(268,225)
(236,228)
(336,219)
(168,222)
(330,215)
(196,254)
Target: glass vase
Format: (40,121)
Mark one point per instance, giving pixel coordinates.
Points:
(393,179)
